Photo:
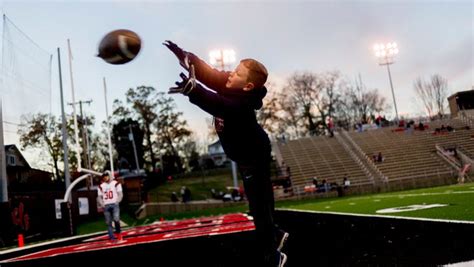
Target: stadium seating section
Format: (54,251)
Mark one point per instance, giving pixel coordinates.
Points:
(407,155)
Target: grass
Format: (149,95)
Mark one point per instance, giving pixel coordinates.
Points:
(200,187)
(459,199)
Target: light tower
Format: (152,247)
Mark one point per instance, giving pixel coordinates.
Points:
(221,58)
(385,53)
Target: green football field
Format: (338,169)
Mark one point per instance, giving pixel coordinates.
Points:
(455,202)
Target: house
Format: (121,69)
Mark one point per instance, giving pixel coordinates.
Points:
(461,101)
(216,152)
(19,171)
(132,184)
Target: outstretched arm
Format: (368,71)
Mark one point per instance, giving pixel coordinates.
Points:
(215,104)
(211,102)
(211,77)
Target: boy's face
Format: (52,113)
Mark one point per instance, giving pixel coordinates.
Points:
(238,78)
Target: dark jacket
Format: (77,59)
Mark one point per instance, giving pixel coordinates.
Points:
(242,138)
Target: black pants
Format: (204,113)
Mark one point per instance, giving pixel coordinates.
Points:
(259,193)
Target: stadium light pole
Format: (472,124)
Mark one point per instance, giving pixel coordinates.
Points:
(385,53)
(221,58)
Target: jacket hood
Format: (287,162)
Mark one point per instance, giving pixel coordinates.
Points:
(253,97)
(259,94)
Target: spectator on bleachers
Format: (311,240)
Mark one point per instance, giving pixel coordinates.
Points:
(185,194)
(385,122)
(401,123)
(451,152)
(421,127)
(284,170)
(346,182)
(378,121)
(174,197)
(287,183)
(324,186)
(380,158)
(409,127)
(331,127)
(340,191)
(443,129)
(315,181)
(236,195)
(283,139)
(214,194)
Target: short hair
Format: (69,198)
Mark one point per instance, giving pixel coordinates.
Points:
(257,72)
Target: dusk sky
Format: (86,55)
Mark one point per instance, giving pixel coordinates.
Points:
(434,37)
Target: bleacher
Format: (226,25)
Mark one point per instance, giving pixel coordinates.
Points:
(408,156)
(322,157)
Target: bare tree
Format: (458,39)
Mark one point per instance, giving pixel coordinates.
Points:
(42,131)
(331,86)
(143,102)
(440,87)
(358,103)
(305,90)
(270,115)
(425,94)
(433,94)
(172,132)
(308,99)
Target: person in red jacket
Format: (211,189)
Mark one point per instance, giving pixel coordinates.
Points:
(232,100)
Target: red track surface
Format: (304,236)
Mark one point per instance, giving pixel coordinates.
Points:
(156,232)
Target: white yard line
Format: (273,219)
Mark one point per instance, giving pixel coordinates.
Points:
(379,216)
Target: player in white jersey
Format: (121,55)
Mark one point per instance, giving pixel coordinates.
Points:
(110,194)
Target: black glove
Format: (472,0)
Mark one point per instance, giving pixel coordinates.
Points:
(186,85)
(179,53)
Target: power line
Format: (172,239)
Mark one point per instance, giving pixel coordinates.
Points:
(12,123)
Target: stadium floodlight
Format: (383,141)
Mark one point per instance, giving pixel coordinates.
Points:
(385,53)
(221,58)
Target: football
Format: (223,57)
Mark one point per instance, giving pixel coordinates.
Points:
(119,46)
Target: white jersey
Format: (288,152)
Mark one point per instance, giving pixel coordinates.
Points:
(109,192)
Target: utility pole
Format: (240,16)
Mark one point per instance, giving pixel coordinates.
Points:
(85,138)
(131,138)
(84,135)
(67,176)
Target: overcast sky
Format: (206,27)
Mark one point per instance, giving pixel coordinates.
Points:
(434,37)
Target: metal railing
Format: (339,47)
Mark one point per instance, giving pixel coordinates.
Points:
(367,160)
(466,118)
(355,157)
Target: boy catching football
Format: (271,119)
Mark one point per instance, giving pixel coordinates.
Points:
(233,100)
